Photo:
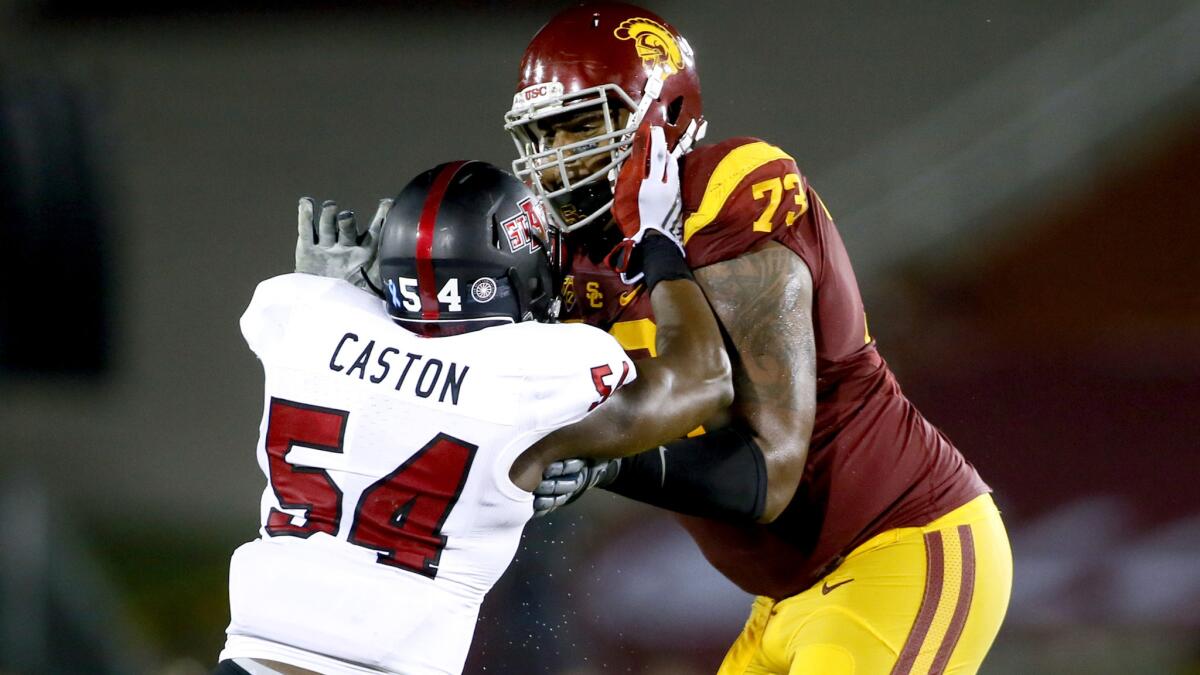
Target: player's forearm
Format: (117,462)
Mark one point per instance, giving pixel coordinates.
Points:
(627,423)
(721,474)
(783,437)
(692,365)
(689,382)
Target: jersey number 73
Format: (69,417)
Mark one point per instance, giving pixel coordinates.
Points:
(400,515)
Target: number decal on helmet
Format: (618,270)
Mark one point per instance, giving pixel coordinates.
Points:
(449,295)
(404,294)
(406,289)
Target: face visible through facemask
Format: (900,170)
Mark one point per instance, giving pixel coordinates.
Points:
(569,133)
(572,129)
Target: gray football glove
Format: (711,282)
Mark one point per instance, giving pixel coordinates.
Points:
(331,246)
(566,480)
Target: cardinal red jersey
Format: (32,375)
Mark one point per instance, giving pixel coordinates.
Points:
(874,463)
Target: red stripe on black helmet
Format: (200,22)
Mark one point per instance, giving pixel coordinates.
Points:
(426,281)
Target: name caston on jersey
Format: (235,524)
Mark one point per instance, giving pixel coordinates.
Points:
(388,512)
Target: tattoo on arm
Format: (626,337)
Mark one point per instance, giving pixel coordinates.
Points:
(763,300)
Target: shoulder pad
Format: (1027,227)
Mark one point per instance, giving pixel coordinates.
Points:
(735,193)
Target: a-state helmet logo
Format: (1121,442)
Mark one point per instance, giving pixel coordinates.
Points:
(525,229)
(654,42)
(483,290)
(537,222)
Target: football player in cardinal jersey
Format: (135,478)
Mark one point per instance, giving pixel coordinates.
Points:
(396,436)
(872,544)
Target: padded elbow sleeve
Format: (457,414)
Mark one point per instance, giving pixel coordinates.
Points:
(721,474)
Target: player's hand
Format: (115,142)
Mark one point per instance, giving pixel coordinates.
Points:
(330,245)
(566,480)
(647,199)
(647,194)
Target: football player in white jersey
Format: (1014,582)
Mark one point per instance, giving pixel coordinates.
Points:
(399,467)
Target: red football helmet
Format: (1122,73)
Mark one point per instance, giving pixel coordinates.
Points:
(600,56)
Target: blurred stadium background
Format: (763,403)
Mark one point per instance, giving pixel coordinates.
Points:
(1016,182)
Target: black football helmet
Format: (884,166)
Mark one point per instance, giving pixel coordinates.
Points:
(464,247)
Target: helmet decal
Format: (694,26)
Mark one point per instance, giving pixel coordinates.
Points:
(483,290)
(536,92)
(426,280)
(537,224)
(524,229)
(654,42)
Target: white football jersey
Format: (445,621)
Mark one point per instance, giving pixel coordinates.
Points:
(388,511)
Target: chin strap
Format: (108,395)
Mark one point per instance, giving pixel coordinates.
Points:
(366,279)
(691,136)
(654,85)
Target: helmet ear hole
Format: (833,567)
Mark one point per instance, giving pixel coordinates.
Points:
(673,109)
(496,234)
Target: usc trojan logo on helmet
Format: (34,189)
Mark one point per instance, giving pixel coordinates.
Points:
(654,43)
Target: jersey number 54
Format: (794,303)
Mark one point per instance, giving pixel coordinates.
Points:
(400,515)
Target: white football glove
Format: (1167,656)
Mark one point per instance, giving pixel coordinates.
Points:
(647,197)
(331,246)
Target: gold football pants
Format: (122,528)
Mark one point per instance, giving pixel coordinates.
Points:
(912,600)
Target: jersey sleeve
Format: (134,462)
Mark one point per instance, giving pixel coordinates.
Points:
(265,321)
(737,194)
(585,366)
